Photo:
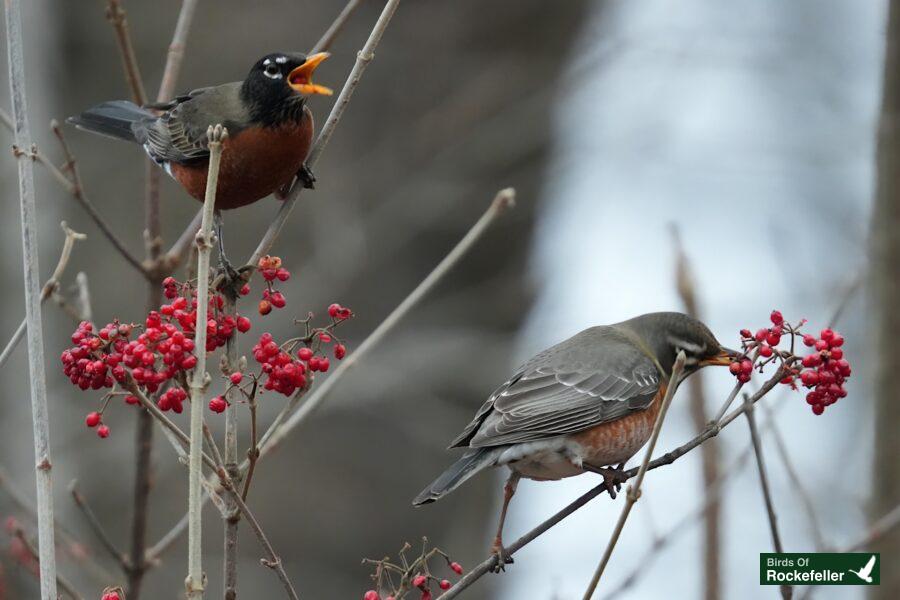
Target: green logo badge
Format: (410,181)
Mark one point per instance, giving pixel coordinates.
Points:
(820,568)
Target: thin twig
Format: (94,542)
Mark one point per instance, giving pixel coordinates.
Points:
(786,590)
(363,58)
(634,491)
(62,582)
(84,297)
(97,527)
(28,213)
(805,499)
(116,15)
(194,584)
(48,289)
(668,458)
(64,535)
(232,519)
(503,201)
(175,55)
(253,452)
(337,25)
(272,560)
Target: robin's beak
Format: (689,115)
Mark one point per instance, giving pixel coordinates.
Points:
(300,79)
(725,357)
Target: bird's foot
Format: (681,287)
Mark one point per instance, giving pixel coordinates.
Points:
(503,557)
(613,479)
(306,177)
(232,279)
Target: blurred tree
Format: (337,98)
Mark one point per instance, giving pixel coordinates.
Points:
(885,279)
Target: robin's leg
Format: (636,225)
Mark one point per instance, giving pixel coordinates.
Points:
(612,478)
(232,276)
(497,549)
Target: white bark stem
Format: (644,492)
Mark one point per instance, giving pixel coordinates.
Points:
(194,583)
(40,418)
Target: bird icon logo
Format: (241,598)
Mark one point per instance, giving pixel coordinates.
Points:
(866,572)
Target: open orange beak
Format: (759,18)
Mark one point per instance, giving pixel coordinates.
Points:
(725,357)
(300,79)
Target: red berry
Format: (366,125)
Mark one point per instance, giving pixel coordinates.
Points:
(245,289)
(444,584)
(189,362)
(818,409)
(111,596)
(265,307)
(282,274)
(324,338)
(761,334)
(340,351)
(371,595)
(776,317)
(836,340)
(218,404)
(745,333)
(418,581)
(426,595)
(809,378)
(773,338)
(243,324)
(129,399)
(334,310)
(457,568)
(92,420)
(765,351)
(826,334)
(278,300)
(304,354)
(323,364)
(103,431)
(236,378)
(809,340)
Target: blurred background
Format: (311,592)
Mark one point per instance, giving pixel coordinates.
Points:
(749,128)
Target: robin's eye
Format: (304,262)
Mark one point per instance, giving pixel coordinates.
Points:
(272,71)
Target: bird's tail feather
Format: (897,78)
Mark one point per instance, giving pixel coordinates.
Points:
(468,464)
(113,119)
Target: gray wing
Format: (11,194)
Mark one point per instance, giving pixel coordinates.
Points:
(179,134)
(594,377)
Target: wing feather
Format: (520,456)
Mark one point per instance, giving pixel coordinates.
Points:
(597,376)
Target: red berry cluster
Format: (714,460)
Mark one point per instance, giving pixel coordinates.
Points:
(420,582)
(825,369)
(271,270)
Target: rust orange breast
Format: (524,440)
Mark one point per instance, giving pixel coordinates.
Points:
(617,441)
(255,163)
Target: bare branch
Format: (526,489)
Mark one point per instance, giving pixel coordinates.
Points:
(97,527)
(63,584)
(28,212)
(335,28)
(634,492)
(116,15)
(504,200)
(786,590)
(194,584)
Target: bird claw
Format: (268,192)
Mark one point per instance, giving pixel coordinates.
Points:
(306,177)
(613,479)
(503,558)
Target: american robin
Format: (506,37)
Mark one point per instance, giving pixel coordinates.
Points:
(270,129)
(582,405)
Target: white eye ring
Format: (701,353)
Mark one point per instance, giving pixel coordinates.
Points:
(272,71)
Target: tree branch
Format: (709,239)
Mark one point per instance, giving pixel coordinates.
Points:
(337,25)
(786,590)
(97,528)
(194,584)
(28,211)
(634,492)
